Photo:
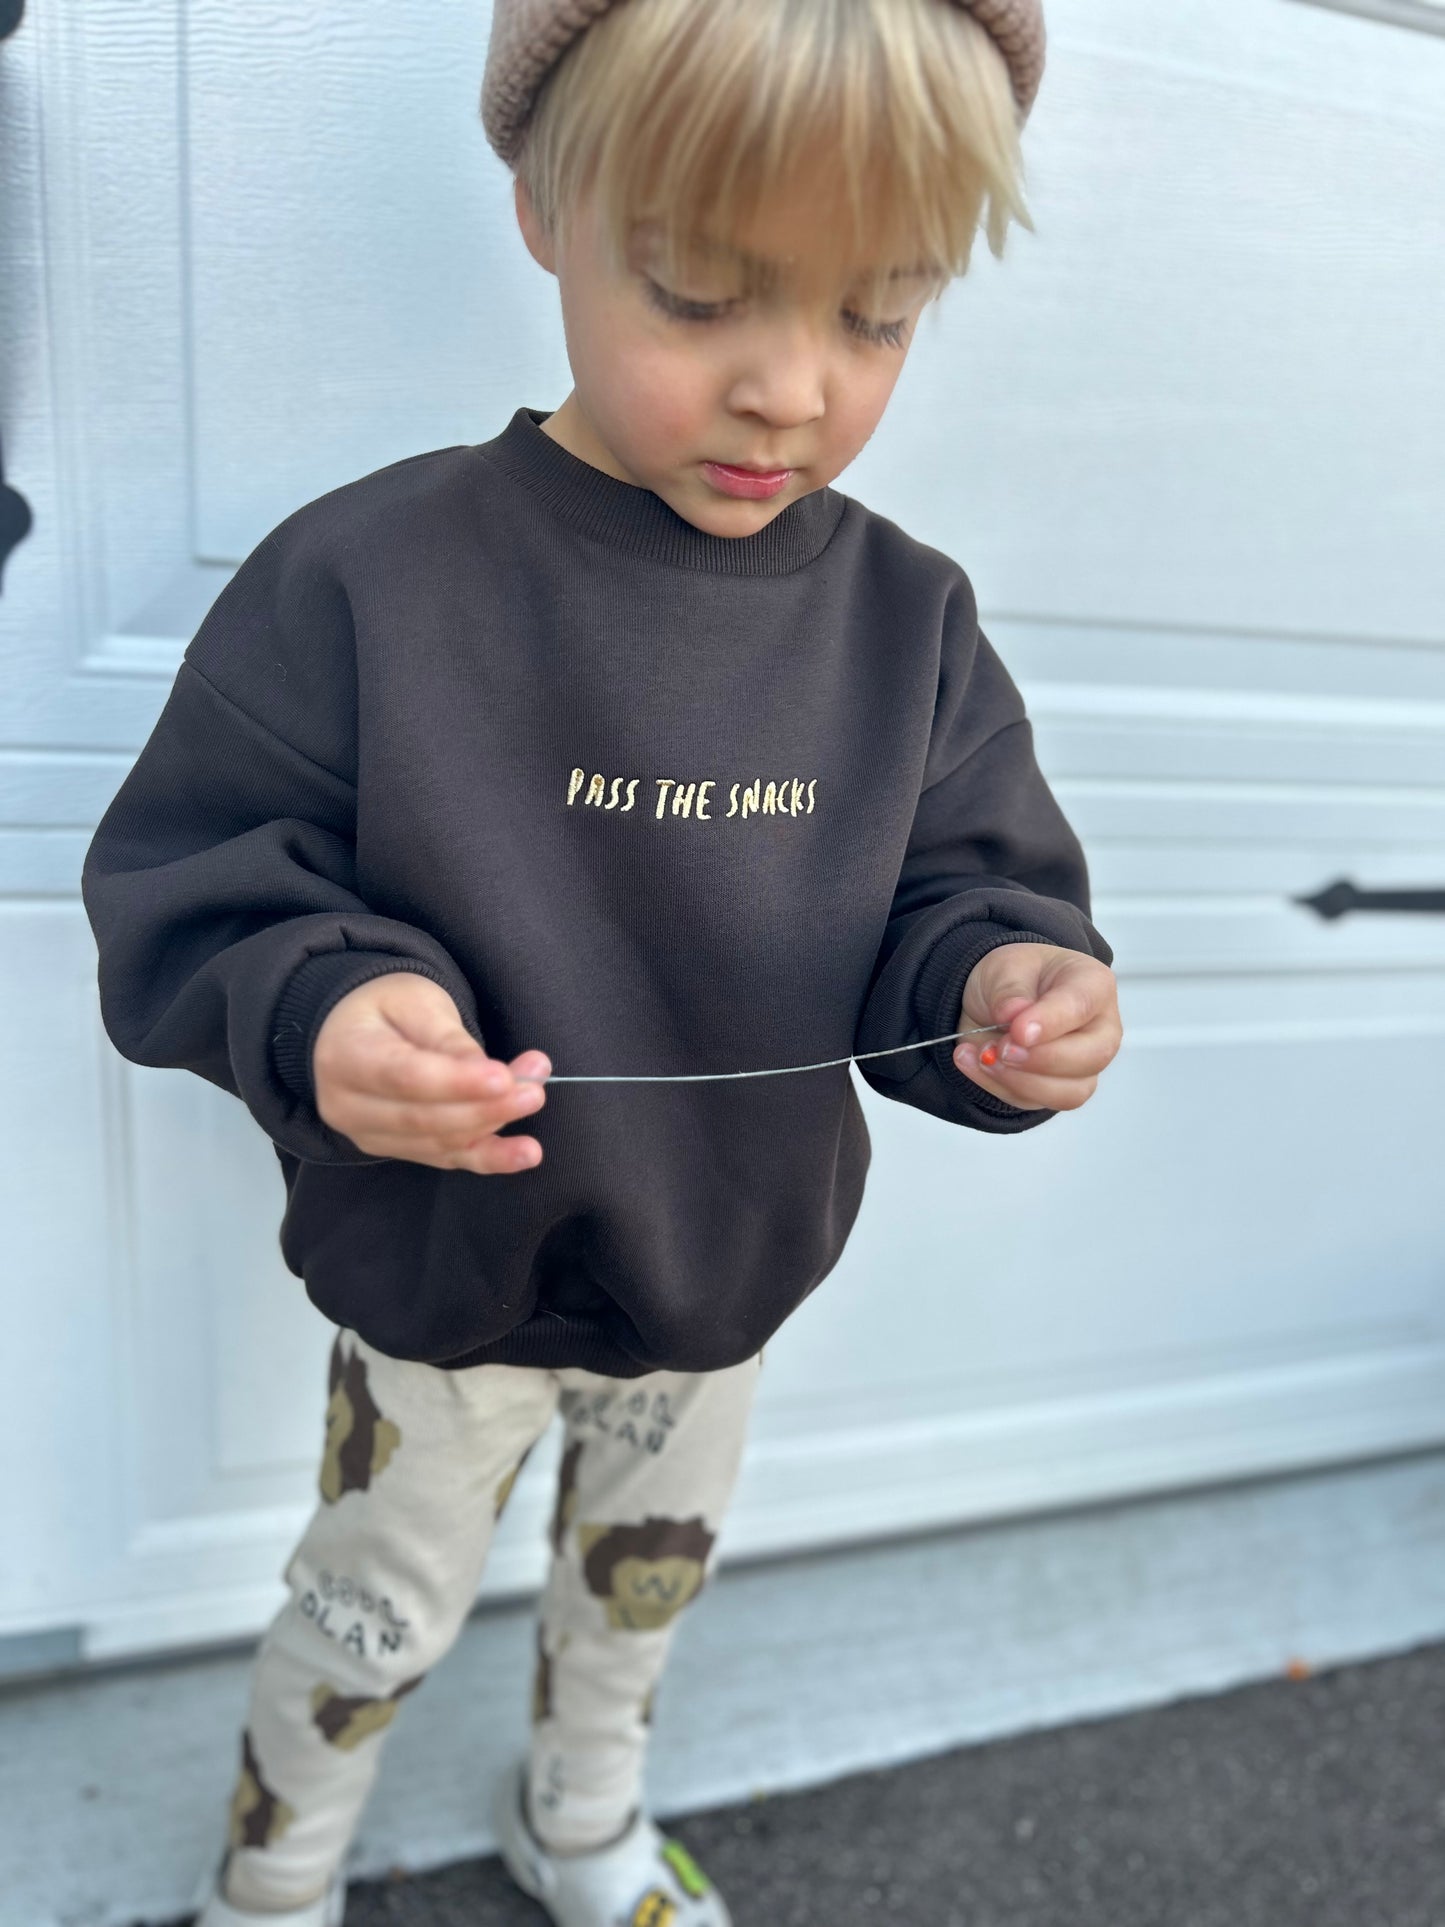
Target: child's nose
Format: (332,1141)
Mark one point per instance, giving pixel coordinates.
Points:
(785,380)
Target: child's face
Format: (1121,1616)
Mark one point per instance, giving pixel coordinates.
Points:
(769,365)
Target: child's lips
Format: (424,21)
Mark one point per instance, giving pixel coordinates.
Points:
(749,482)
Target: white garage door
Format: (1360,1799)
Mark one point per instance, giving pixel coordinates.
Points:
(1186,442)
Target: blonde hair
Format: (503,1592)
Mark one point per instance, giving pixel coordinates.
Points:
(694,114)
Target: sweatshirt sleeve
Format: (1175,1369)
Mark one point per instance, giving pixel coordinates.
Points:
(990,860)
(221,881)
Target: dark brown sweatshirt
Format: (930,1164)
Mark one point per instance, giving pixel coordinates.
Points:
(650,800)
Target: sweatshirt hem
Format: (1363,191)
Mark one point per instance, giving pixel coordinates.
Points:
(559,1342)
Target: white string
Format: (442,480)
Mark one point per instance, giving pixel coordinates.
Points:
(784,1070)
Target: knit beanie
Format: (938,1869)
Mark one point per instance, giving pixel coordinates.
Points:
(529,37)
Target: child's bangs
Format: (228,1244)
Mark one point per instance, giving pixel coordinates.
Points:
(894,119)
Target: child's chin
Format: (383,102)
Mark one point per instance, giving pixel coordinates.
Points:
(719,513)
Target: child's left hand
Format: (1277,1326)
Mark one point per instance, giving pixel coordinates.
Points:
(1062,1012)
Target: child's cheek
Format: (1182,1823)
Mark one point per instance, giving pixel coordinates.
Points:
(650,402)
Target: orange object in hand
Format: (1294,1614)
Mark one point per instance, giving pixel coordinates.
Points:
(988,1056)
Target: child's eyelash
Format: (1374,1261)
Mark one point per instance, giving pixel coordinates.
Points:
(679,307)
(888,334)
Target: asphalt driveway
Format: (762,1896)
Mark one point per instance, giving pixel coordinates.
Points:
(1314,1802)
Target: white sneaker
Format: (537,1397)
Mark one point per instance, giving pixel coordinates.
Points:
(217,1911)
(642,1880)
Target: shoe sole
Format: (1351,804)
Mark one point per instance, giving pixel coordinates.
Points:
(507,1822)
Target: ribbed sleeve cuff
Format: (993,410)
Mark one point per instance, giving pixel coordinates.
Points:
(312,990)
(939,996)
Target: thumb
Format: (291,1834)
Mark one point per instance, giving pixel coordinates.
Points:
(426,1015)
(1004,982)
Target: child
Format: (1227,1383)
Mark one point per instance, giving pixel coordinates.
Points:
(625,734)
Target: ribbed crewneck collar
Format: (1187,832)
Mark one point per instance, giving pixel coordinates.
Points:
(639,522)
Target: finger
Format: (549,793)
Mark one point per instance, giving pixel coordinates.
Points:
(993,1005)
(1082,1053)
(1040,1093)
(488,1155)
(1031,1092)
(453,1073)
(532,1064)
(1004,982)
(497,1156)
(418,1046)
(382,1064)
(1072,1002)
(448,1126)
(1003,1010)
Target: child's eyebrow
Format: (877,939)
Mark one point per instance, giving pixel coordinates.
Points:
(766,270)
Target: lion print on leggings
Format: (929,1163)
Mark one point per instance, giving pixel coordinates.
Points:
(645,1574)
(359,1441)
(346,1722)
(258,1816)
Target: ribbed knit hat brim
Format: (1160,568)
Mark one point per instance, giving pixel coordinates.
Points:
(530,36)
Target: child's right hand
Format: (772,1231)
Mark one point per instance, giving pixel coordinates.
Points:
(397,1072)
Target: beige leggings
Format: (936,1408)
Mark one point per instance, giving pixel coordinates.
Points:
(417,1467)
